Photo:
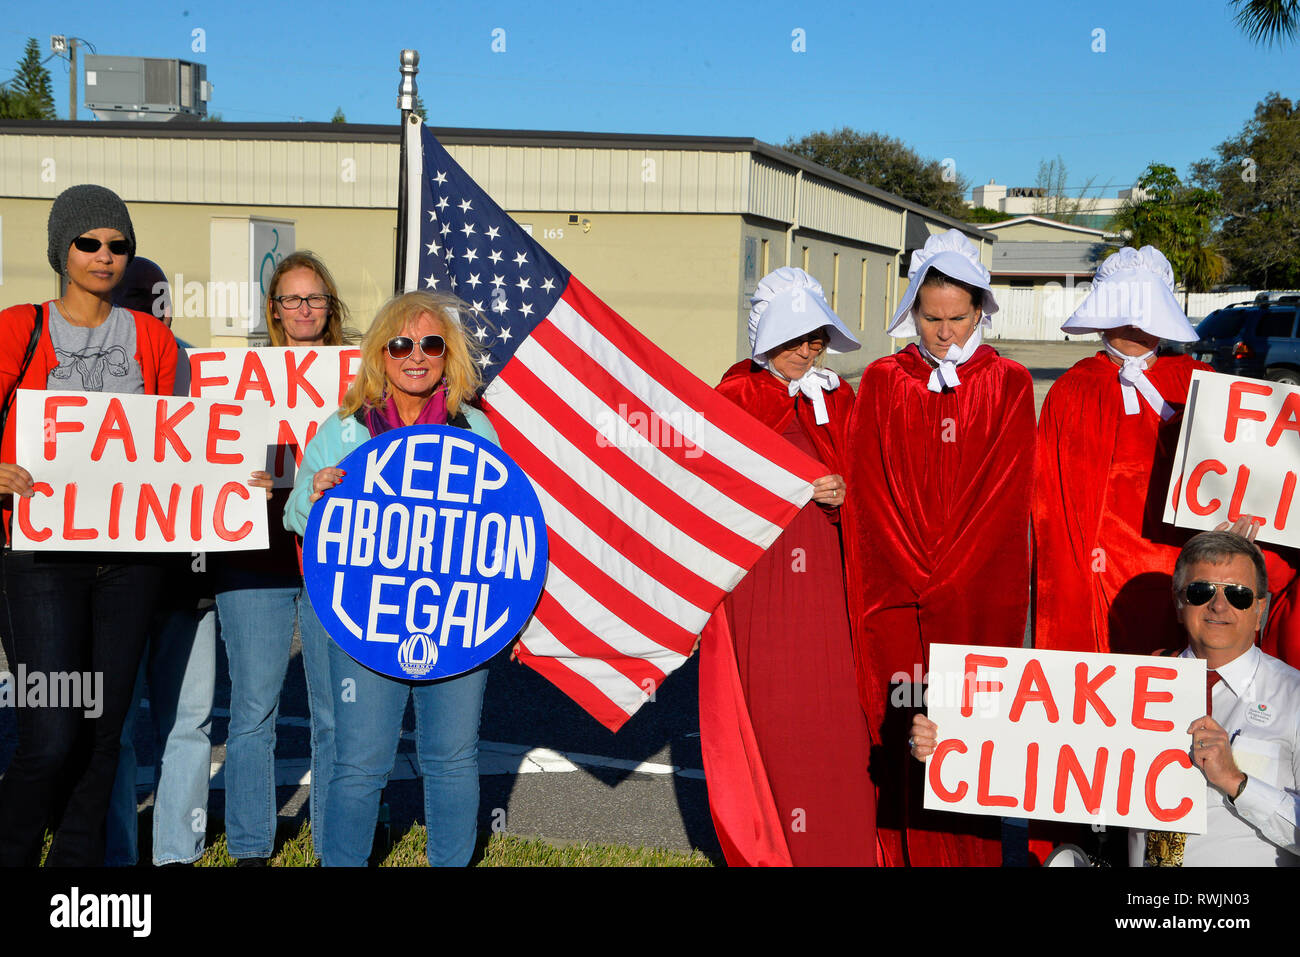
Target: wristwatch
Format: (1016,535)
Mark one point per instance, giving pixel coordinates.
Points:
(1240,787)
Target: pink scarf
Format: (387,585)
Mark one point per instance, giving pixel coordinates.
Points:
(381,418)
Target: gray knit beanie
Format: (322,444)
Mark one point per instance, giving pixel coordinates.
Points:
(79,209)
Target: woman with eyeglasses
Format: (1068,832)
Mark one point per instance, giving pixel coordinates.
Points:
(417,368)
(784,739)
(260,595)
(74,612)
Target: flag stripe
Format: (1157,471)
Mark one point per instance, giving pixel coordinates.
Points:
(647,504)
(603,692)
(727,431)
(628,459)
(625,403)
(642,619)
(604,522)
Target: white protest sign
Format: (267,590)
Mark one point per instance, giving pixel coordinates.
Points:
(1066,736)
(303,385)
(139,473)
(1238,454)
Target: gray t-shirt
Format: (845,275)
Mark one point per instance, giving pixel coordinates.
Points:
(101,359)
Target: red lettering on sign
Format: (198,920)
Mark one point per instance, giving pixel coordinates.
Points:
(982,795)
(52,425)
(297,375)
(349,359)
(219,513)
(1033,687)
(1068,766)
(149,503)
(1284,501)
(1031,776)
(1142,696)
(115,510)
(285,439)
(1125,780)
(1194,486)
(936,763)
(24,512)
(970,686)
(254,378)
(70,531)
(1238,493)
(217,434)
(1288,419)
(1236,413)
(114,426)
(1085,693)
(199,382)
(196,513)
(1162,761)
(165,431)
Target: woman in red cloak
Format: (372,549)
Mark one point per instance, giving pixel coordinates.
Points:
(784,740)
(1106,439)
(942,436)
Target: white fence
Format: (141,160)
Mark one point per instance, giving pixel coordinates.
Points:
(1036,314)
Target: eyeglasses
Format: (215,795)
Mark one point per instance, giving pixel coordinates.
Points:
(1200,593)
(89,244)
(431,347)
(316,301)
(816,341)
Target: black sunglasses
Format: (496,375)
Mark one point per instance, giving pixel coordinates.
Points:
(431,347)
(1200,593)
(89,244)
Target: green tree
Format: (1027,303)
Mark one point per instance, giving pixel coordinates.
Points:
(1178,220)
(29,95)
(418,108)
(1269,21)
(338,116)
(1257,173)
(886,163)
(982,214)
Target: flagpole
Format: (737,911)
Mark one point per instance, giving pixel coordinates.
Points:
(406,97)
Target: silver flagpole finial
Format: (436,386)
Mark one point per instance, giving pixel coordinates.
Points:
(406,90)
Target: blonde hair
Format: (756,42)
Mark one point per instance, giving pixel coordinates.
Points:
(337,332)
(460,369)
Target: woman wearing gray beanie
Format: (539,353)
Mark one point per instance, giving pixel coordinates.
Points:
(74,612)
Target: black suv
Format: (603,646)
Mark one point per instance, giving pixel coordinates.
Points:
(1257,339)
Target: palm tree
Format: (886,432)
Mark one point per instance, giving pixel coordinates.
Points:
(1267,21)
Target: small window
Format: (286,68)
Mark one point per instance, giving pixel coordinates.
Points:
(1224,324)
(1276,324)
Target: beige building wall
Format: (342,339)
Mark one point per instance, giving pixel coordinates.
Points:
(1038,232)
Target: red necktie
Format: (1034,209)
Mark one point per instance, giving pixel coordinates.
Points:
(1211,679)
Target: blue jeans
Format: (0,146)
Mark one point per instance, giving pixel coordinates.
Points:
(257,618)
(368,723)
(180,665)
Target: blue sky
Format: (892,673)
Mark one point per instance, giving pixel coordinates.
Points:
(995,87)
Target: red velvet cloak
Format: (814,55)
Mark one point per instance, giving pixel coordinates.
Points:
(940,538)
(749,825)
(1104,556)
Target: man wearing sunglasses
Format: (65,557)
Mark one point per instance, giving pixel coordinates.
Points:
(1248,744)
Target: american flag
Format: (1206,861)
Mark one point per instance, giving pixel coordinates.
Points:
(659,494)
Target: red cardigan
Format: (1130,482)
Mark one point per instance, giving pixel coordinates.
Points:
(155,354)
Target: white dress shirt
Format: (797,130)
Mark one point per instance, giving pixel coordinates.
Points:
(1257,701)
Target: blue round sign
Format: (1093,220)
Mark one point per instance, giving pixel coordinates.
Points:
(430,555)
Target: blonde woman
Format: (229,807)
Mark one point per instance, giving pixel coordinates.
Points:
(417,368)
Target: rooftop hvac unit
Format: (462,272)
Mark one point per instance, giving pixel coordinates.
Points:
(143,88)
